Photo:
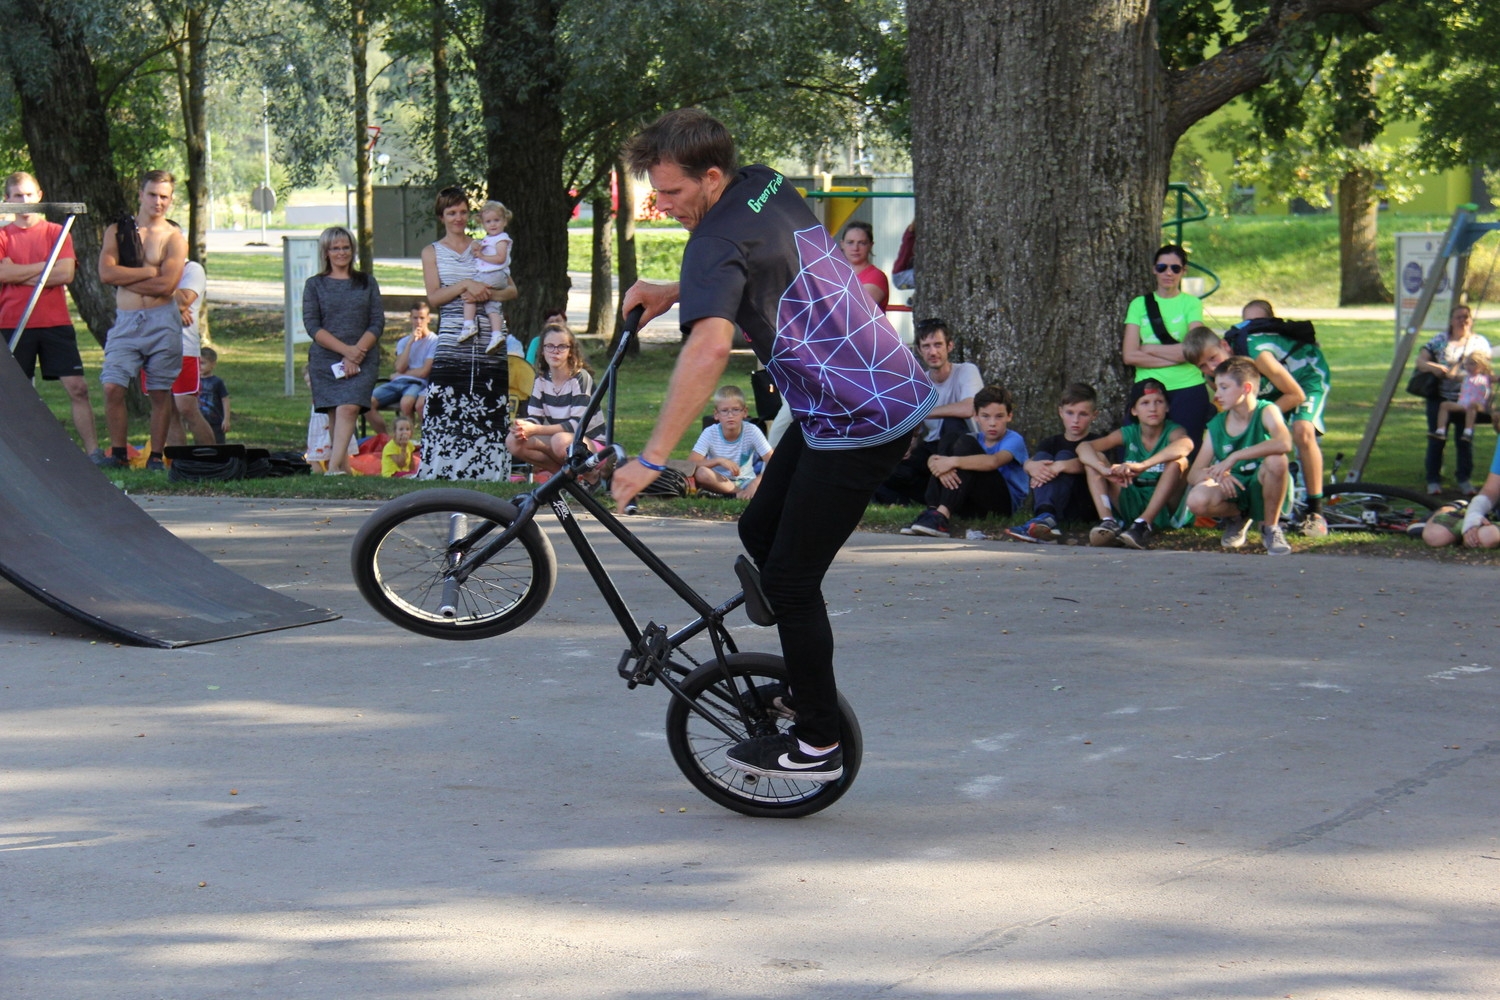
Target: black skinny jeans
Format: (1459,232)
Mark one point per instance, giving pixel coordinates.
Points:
(807,505)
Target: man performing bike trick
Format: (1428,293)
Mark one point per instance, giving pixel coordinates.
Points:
(758,258)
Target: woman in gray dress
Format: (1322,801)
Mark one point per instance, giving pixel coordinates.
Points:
(468,390)
(342,312)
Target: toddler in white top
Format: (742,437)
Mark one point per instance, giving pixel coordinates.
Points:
(1473,396)
(492,261)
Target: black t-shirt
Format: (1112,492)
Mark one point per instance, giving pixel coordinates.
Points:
(760,259)
(1059,442)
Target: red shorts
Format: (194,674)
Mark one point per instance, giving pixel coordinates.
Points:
(187,379)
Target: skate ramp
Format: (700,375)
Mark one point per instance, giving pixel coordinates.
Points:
(75,542)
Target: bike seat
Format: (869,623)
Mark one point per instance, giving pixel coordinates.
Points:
(757,608)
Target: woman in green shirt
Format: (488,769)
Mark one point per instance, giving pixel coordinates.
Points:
(1157,352)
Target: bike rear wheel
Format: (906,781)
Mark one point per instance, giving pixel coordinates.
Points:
(727,692)
(402,556)
(1374,507)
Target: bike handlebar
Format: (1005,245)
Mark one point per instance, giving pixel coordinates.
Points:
(579,456)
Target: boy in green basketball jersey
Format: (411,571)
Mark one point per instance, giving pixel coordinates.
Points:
(1241,473)
(1141,494)
(1294,375)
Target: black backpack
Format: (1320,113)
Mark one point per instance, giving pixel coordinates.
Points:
(1299,331)
(128,247)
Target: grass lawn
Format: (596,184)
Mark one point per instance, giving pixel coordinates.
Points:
(267,267)
(249,342)
(658,251)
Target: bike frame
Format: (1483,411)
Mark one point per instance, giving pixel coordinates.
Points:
(648,657)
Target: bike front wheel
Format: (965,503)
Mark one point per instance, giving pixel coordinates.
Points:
(1374,507)
(403,555)
(733,694)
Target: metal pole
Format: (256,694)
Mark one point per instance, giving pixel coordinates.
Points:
(41,282)
(1462,217)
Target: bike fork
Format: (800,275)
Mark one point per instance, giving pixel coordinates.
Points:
(458,527)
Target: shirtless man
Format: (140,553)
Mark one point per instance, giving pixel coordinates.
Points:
(24,247)
(148,326)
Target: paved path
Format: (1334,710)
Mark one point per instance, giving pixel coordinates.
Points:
(1090,773)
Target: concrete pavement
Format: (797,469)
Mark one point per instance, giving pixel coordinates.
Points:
(1089,773)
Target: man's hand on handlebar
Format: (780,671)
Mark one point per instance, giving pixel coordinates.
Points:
(655,296)
(628,481)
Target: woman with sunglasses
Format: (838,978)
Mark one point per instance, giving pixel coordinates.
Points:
(1155,325)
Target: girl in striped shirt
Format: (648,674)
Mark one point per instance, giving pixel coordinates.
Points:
(544,432)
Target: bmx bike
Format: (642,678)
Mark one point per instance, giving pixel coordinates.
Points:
(1359,506)
(460,564)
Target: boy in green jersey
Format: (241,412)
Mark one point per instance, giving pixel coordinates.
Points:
(1241,473)
(1141,494)
(1294,375)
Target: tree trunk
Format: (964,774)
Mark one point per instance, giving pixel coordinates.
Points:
(74,163)
(364,198)
(601,292)
(1040,153)
(1359,266)
(520,97)
(1042,132)
(193,65)
(442,101)
(625,241)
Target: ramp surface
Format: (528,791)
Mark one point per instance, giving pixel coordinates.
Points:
(72,540)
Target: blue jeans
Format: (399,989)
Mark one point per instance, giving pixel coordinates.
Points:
(1066,497)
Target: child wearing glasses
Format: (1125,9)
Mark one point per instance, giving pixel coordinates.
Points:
(544,432)
(1155,325)
(726,454)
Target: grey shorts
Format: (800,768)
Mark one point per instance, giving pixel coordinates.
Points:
(148,340)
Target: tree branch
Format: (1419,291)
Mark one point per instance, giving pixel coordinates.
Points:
(1199,91)
(108,96)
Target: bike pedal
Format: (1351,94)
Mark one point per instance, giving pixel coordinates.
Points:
(757,608)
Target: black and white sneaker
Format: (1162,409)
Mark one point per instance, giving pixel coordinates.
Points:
(1105,533)
(1137,536)
(779,756)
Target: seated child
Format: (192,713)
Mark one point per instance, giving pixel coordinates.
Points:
(543,434)
(213,395)
(1142,494)
(1294,375)
(1058,489)
(724,456)
(1473,397)
(398,459)
(974,474)
(1241,473)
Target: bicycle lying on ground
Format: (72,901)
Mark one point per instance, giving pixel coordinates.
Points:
(460,564)
(1359,506)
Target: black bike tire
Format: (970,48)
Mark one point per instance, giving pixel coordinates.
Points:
(1338,490)
(698,747)
(528,579)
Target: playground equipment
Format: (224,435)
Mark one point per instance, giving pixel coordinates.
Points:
(1464,230)
(1181,193)
(72,540)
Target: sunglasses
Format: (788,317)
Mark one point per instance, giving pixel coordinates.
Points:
(1164,268)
